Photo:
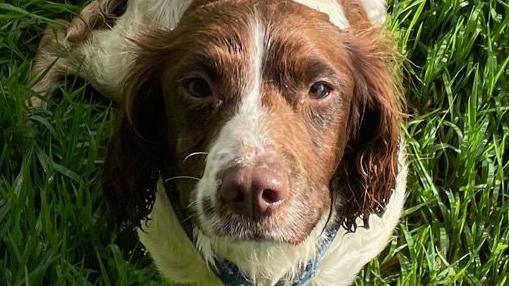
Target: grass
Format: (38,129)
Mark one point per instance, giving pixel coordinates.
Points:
(455,229)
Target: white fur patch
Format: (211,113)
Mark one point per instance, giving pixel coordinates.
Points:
(243,136)
(163,13)
(240,140)
(376,10)
(330,7)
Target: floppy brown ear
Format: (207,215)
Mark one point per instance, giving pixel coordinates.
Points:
(139,144)
(367,173)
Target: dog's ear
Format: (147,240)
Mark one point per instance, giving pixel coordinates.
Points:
(139,144)
(366,175)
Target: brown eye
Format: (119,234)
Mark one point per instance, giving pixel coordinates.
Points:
(320,90)
(197,87)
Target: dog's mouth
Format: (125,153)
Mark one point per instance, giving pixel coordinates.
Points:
(291,224)
(224,223)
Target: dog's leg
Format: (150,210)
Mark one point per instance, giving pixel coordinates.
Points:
(74,48)
(51,61)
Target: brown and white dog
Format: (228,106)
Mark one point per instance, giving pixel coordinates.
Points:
(267,119)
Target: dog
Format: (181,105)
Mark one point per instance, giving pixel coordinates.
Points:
(257,142)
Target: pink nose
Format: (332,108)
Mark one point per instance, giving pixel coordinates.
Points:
(253,191)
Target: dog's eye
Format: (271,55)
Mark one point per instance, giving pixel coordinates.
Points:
(197,87)
(320,90)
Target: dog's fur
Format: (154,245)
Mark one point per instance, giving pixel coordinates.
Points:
(342,155)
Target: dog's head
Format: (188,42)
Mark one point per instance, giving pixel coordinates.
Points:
(271,107)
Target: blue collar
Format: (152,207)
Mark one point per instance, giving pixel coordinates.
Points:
(228,272)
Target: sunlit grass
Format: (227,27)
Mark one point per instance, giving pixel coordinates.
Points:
(53,224)
(455,229)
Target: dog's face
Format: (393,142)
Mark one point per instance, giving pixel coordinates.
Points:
(272,109)
(267,98)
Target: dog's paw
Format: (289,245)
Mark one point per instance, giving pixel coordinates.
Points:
(99,14)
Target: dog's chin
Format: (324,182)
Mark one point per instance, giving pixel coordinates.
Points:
(259,237)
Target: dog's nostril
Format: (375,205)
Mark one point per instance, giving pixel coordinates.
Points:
(271,196)
(231,191)
(270,187)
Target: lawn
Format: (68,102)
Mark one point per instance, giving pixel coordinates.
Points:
(455,231)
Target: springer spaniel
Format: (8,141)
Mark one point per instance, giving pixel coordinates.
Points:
(258,141)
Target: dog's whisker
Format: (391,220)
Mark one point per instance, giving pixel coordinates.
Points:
(188,218)
(195,154)
(193,203)
(181,177)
